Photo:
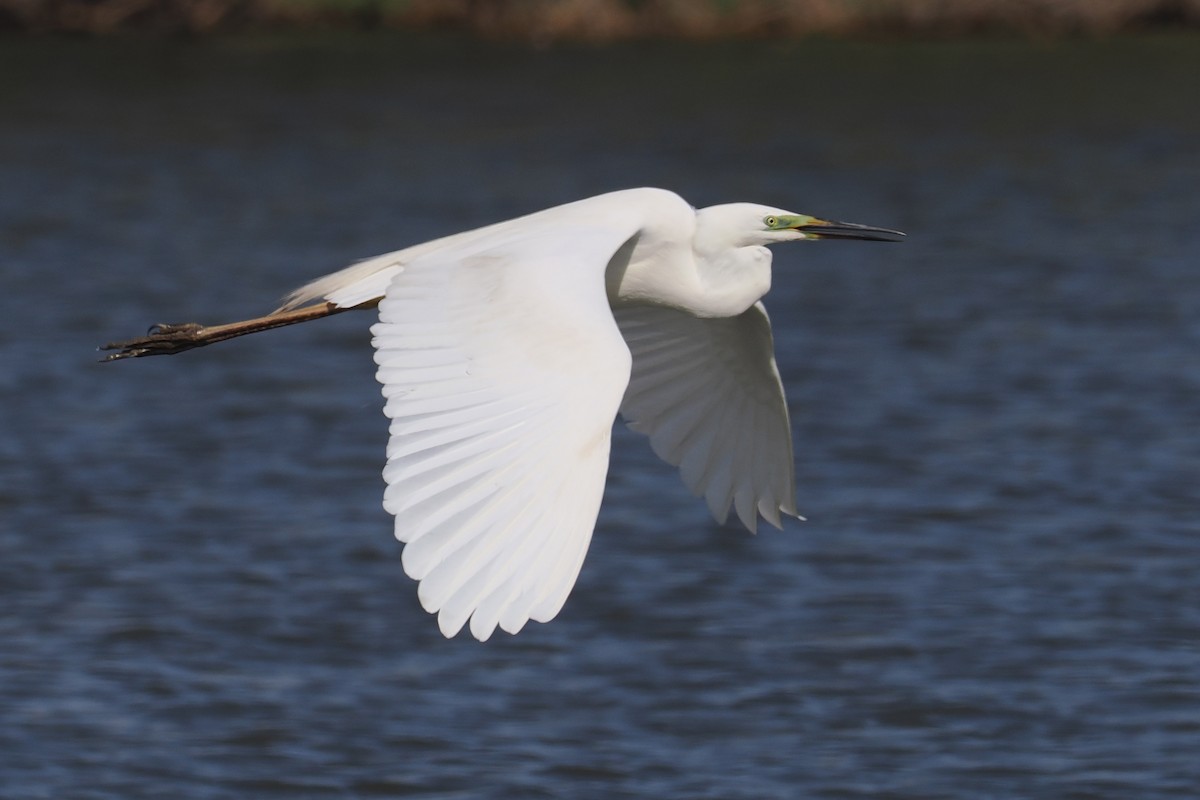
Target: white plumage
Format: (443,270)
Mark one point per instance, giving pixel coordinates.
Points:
(505,354)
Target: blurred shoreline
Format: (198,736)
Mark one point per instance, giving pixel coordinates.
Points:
(606,20)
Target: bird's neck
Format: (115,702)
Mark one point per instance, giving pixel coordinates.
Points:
(723,284)
(733,278)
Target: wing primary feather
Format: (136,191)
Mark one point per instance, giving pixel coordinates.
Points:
(674,433)
(745,498)
(410,443)
(438,541)
(421,516)
(489,593)
(448,586)
(438,481)
(566,571)
(698,458)
(461,451)
(411,403)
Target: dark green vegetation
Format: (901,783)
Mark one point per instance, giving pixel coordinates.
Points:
(542,20)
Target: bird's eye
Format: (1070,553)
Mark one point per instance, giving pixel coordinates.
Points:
(770,222)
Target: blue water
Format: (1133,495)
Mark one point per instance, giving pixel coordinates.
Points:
(996,595)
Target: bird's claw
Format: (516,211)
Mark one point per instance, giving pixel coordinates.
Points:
(164,328)
(162,339)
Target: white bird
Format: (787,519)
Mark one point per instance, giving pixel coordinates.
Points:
(505,354)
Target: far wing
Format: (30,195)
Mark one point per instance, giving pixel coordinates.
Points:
(503,371)
(708,394)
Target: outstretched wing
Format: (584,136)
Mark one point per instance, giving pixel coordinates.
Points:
(503,371)
(707,393)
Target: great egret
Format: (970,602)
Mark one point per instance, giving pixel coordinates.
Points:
(505,354)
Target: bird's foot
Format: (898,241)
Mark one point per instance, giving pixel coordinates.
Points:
(167,340)
(160,340)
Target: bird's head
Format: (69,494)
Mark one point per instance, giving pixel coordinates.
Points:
(750,224)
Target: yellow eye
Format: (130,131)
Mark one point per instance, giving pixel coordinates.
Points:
(770,222)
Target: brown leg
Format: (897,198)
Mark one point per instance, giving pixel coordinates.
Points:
(166,340)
